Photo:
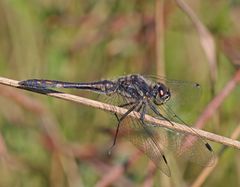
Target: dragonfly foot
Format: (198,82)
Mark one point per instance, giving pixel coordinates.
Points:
(110,150)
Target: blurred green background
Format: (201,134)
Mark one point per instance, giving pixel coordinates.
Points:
(78,40)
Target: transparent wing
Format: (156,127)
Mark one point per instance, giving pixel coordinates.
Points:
(142,136)
(156,142)
(113,99)
(188,146)
(146,139)
(184,94)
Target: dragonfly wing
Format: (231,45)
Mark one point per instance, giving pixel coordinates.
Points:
(184,94)
(188,146)
(142,136)
(196,150)
(147,140)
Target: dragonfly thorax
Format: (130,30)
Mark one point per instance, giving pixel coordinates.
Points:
(161,94)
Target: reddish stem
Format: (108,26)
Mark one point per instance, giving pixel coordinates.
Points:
(217,101)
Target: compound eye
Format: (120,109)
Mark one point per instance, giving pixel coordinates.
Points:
(161,93)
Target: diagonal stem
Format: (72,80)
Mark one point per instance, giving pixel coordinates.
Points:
(114,109)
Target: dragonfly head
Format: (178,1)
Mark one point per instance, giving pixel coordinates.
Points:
(161,94)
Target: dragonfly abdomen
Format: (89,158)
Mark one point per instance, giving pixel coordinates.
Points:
(41,84)
(104,87)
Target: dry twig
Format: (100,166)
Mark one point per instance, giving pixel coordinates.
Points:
(216,102)
(96,104)
(206,39)
(208,170)
(159,19)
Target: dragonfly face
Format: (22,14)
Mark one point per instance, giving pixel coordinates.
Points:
(161,94)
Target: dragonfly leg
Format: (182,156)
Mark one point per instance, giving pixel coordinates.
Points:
(156,111)
(123,105)
(119,122)
(143,106)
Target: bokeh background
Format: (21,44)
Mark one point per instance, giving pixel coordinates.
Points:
(50,142)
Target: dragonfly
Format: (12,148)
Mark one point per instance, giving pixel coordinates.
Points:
(147,95)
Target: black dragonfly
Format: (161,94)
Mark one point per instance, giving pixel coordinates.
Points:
(146,95)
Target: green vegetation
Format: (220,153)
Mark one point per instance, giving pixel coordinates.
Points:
(91,40)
